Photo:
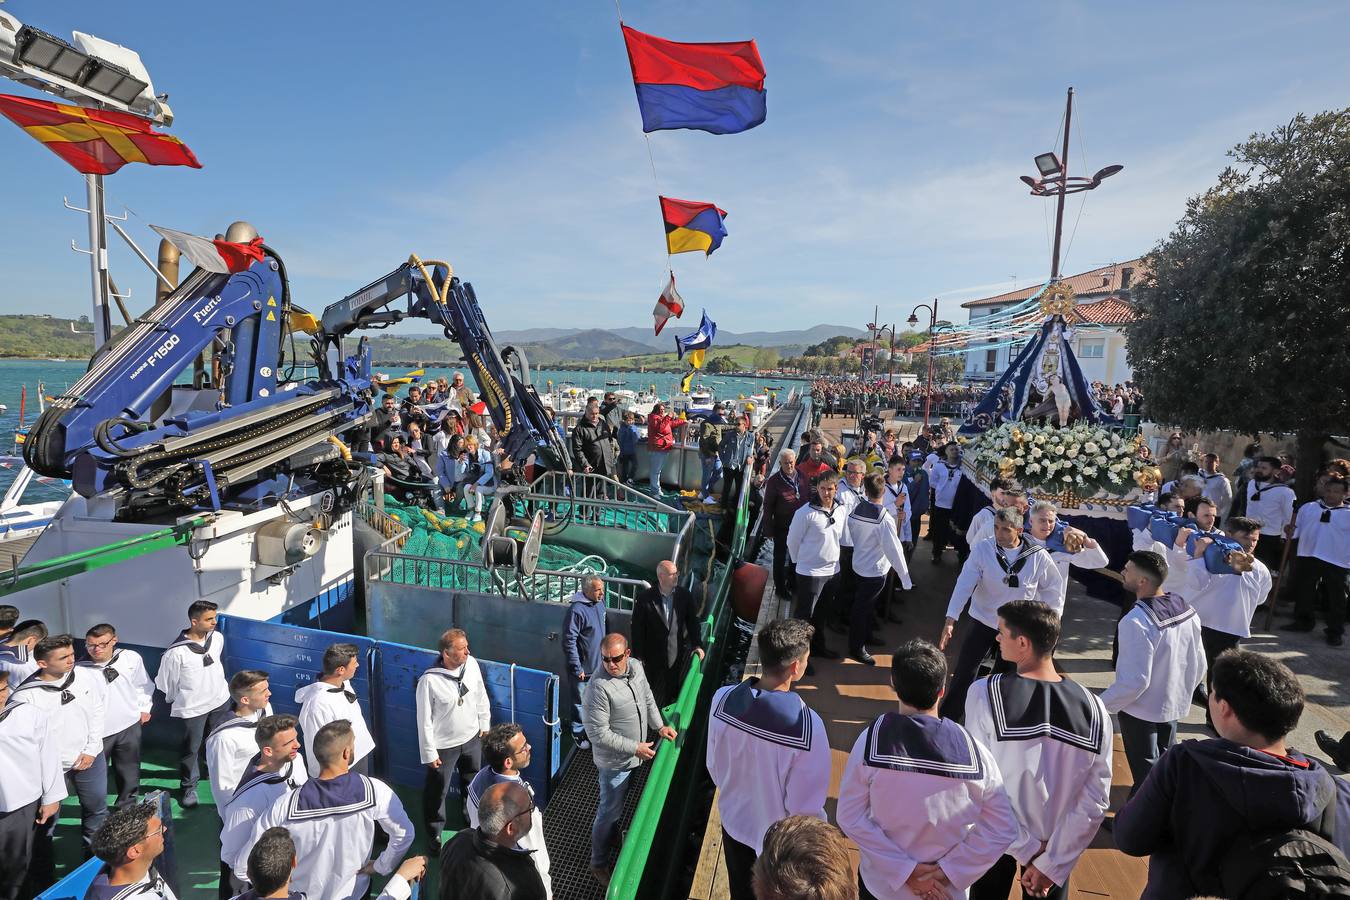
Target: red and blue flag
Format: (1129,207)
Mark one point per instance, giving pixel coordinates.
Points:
(718,88)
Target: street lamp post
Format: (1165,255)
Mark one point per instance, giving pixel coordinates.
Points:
(932,325)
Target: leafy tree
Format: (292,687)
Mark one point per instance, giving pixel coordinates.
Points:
(1246,307)
(766,358)
(721,365)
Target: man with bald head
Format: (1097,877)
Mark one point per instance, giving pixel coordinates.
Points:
(666,631)
(487,862)
(620,713)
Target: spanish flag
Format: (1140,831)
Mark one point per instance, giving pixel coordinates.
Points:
(95,141)
(692,225)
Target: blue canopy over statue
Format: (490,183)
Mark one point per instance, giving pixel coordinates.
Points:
(1045,380)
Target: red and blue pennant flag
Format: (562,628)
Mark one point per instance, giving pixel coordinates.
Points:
(692,225)
(718,88)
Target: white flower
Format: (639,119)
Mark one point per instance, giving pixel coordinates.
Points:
(1101,460)
(1059,449)
(1113,478)
(1078,478)
(1033,467)
(1068,478)
(1089,470)
(1090,447)
(1036,452)
(1040,439)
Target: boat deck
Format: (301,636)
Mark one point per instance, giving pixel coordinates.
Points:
(12,551)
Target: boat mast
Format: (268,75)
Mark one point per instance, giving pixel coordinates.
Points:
(1059,203)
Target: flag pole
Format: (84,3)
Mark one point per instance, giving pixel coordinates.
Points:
(98,259)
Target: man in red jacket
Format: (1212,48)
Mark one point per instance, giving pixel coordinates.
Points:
(660,439)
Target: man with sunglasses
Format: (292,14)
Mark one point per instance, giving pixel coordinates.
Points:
(507,752)
(453,716)
(129,842)
(620,713)
(489,862)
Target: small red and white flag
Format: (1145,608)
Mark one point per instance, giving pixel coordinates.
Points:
(670,303)
(219,256)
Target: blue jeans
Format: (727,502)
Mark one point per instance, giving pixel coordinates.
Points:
(657,460)
(712,470)
(613,790)
(576,695)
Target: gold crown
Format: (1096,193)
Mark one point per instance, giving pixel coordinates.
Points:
(1058,300)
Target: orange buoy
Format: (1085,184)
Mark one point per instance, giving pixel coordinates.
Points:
(747,590)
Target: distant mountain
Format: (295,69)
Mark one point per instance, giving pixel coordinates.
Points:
(594,343)
(798,338)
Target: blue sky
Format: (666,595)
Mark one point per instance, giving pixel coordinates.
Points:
(506,139)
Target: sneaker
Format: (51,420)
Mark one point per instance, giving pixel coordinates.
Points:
(189,798)
(584,744)
(476,517)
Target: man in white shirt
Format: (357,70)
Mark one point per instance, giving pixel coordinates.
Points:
(129,842)
(274,771)
(453,715)
(1225,602)
(71,700)
(231,745)
(1217,486)
(1051,738)
(331,698)
(130,694)
(1271,503)
(922,799)
(1162,662)
(332,820)
(506,753)
(272,862)
(192,678)
(1322,561)
(878,551)
(30,791)
(1001,569)
(813,543)
(768,752)
(1047,532)
(846,498)
(16,652)
(946,477)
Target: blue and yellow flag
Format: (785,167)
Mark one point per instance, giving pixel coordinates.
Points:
(701,339)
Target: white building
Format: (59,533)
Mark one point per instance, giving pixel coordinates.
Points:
(1104,307)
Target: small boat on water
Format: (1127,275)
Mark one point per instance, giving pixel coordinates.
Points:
(615,383)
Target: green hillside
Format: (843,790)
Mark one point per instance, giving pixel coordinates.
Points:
(44,337)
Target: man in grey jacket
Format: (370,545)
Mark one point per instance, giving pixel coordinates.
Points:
(620,713)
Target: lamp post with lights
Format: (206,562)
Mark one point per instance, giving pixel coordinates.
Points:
(932,326)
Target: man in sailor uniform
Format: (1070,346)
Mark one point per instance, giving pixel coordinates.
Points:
(275,770)
(1001,569)
(946,477)
(192,677)
(453,715)
(1218,488)
(129,842)
(922,799)
(768,752)
(877,552)
(31,789)
(1047,532)
(332,819)
(1162,662)
(1271,503)
(272,862)
(506,753)
(16,652)
(804,858)
(331,698)
(1051,737)
(813,543)
(71,699)
(130,694)
(846,498)
(1002,492)
(1225,601)
(231,746)
(1322,561)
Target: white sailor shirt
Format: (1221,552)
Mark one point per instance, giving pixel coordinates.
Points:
(151,887)
(1175,583)
(333,824)
(945,477)
(1161,660)
(229,749)
(1087,558)
(129,692)
(921,789)
(1272,504)
(533,840)
(321,703)
(73,707)
(254,795)
(16,663)
(769,755)
(30,758)
(993,576)
(1323,532)
(192,676)
(813,539)
(931,462)
(1226,602)
(1052,743)
(1219,489)
(876,547)
(981,526)
(894,491)
(846,499)
(452,708)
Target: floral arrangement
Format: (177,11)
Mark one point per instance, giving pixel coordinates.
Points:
(1082,459)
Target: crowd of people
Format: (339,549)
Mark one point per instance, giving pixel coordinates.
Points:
(851,396)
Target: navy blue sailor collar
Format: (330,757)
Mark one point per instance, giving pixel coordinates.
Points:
(779,717)
(1025,709)
(100,889)
(255,778)
(343,795)
(923,745)
(867,511)
(203,649)
(1166,610)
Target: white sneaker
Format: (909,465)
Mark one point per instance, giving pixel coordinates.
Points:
(475,518)
(583,744)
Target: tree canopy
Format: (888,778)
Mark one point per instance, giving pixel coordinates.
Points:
(1244,315)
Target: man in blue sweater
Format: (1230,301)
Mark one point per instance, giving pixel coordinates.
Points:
(1205,806)
(583,631)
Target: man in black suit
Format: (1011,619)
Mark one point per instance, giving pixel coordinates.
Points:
(665,632)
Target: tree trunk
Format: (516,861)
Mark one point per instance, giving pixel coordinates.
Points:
(1310,443)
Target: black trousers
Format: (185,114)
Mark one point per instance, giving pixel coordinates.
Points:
(123,751)
(740,866)
(733,480)
(845,584)
(996,883)
(1315,577)
(195,730)
(941,533)
(1214,643)
(784,576)
(812,599)
(466,759)
(17,830)
(1269,549)
(867,595)
(979,639)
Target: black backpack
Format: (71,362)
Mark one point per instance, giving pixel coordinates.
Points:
(1293,864)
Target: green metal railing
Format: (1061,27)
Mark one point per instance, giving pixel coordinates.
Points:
(81,561)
